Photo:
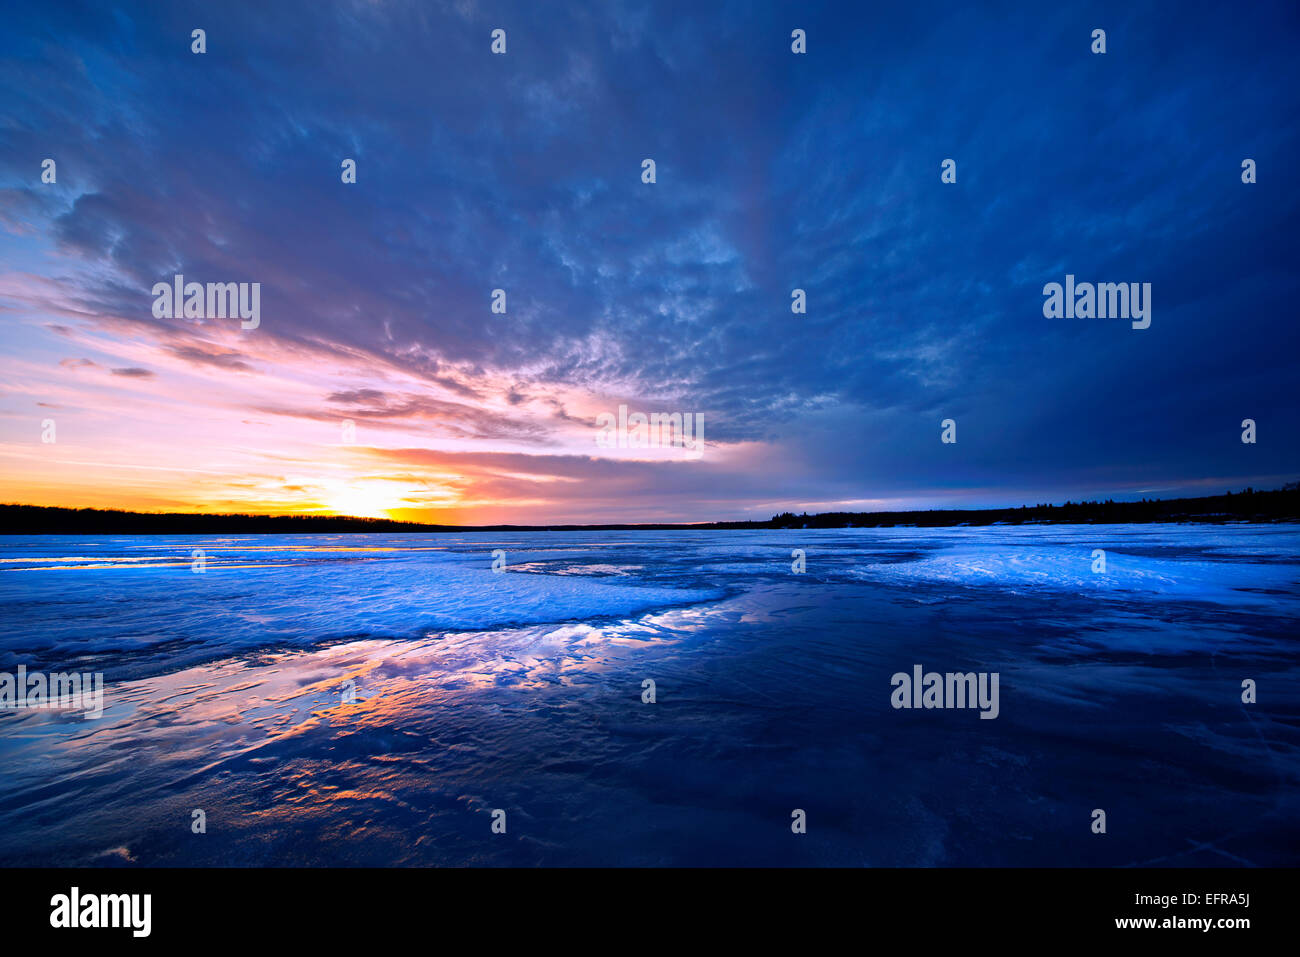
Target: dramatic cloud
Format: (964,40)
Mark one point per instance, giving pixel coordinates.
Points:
(380,377)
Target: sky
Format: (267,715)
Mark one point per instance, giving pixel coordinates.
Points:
(379,380)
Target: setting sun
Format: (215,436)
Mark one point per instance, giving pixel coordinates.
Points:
(362,501)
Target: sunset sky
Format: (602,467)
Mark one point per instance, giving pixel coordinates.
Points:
(775,171)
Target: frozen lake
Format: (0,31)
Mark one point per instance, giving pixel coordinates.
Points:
(370,699)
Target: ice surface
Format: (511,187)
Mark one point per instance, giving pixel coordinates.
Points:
(1069,569)
(228,691)
(139,602)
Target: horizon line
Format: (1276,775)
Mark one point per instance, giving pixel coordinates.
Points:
(317,518)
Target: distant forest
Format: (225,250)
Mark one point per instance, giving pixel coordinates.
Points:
(1279,505)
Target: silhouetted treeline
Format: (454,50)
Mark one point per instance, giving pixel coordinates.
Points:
(1280,505)
(42,520)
